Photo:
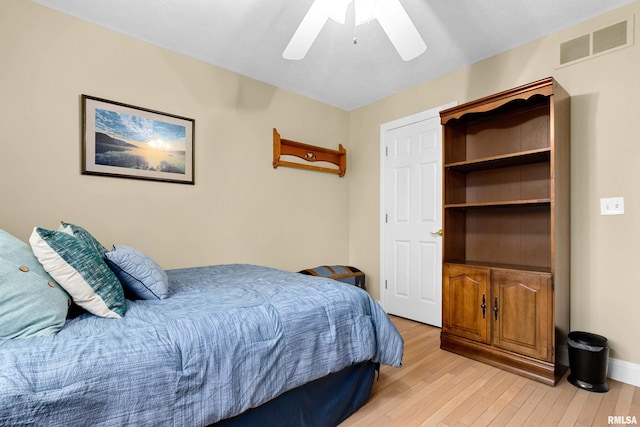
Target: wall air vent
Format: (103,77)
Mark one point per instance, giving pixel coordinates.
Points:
(599,42)
(575,49)
(610,37)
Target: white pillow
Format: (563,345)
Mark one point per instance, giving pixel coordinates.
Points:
(81,271)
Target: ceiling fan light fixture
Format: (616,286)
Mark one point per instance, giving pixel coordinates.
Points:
(336,9)
(366,10)
(390,14)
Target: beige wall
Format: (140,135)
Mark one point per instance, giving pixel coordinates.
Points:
(605,291)
(240,210)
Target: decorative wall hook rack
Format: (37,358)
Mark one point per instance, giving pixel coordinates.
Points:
(309,153)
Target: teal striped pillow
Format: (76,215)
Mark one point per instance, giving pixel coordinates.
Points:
(80,270)
(83,235)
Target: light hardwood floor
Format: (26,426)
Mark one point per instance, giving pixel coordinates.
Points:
(438,388)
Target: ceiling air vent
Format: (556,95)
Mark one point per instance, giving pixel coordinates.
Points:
(599,42)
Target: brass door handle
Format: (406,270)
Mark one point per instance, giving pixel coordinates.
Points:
(437,233)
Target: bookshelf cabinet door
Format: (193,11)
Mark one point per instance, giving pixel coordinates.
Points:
(521,312)
(466,308)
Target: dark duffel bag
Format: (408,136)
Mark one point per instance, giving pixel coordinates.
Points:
(342,273)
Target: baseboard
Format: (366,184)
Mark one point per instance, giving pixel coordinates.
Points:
(617,370)
(626,372)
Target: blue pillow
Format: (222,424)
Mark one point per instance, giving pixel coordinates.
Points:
(81,271)
(31,302)
(138,273)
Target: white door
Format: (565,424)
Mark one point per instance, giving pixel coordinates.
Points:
(411,246)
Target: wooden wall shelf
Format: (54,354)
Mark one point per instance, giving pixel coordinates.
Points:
(309,153)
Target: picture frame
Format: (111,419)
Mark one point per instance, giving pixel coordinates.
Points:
(126,141)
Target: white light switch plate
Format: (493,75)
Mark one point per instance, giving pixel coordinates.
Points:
(612,206)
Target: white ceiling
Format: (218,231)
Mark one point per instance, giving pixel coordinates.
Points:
(248,37)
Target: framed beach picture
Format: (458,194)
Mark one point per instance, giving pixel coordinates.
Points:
(131,142)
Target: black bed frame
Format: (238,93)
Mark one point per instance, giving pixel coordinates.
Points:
(325,402)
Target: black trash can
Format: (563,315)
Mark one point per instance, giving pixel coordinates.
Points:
(588,361)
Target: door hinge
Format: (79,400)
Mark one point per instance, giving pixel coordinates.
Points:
(386,151)
(386,218)
(385,284)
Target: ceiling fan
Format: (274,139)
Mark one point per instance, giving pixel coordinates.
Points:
(390,14)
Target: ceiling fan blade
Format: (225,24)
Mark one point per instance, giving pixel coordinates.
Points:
(336,9)
(400,29)
(307,32)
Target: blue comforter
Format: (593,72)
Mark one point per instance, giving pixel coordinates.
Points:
(228,338)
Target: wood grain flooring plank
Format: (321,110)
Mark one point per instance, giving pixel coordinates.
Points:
(608,405)
(435,387)
(572,412)
(588,413)
(498,406)
(526,409)
(476,407)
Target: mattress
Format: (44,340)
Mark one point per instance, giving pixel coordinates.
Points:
(227,338)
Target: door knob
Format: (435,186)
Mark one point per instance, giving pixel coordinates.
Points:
(437,233)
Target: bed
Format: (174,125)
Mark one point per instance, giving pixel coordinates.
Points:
(227,345)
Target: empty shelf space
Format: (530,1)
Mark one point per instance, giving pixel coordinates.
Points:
(506,160)
(507,203)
